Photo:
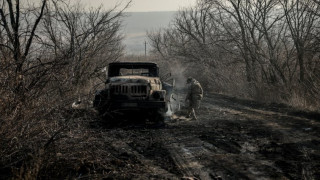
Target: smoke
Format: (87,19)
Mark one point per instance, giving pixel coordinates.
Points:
(178,73)
(169,112)
(178,93)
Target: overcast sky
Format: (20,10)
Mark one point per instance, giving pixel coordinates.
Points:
(143,5)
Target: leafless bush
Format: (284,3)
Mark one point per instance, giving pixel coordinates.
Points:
(251,48)
(49,53)
(88,39)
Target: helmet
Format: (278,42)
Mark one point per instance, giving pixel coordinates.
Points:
(189,80)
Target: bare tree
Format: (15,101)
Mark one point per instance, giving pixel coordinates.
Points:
(301,23)
(47,49)
(22,73)
(19,45)
(274,41)
(88,39)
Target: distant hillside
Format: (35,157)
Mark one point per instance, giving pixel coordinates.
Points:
(136,24)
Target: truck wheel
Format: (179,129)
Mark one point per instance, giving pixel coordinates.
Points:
(157,117)
(97,101)
(100,103)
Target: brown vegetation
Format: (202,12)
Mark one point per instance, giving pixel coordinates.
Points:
(49,52)
(53,53)
(267,50)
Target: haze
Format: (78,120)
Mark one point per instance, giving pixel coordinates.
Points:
(145,15)
(144,5)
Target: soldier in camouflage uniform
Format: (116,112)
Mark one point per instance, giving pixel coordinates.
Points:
(194,96)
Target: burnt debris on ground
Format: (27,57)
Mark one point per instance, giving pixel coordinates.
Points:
(233,139)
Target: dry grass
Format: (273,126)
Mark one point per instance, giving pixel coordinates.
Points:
(42,137)
(53,146)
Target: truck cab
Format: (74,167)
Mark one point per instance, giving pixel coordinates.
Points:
(132,86)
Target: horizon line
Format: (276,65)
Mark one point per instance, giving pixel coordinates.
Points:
(146,11)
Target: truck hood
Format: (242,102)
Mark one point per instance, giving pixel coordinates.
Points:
(133,79)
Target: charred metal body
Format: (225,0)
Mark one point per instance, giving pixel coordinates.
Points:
(132,86)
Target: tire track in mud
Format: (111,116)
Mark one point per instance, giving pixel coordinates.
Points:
(202,159)
(124,148)
(194,158)
(297,133)
(185,159)
(269,119)
(182,153)
(230,141)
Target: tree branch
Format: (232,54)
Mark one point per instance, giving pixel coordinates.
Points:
(34,28)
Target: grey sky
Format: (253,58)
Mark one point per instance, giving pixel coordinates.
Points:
(143,5)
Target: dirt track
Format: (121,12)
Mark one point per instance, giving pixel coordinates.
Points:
(233,139)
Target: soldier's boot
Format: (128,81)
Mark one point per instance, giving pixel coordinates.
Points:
(194,117)
(189,112)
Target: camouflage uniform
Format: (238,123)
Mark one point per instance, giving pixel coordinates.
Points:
(194,96)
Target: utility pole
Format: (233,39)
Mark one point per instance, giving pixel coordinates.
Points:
(145,48)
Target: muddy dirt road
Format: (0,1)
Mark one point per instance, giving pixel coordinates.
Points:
(233,139)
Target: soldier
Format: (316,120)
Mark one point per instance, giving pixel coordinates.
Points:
(194,96)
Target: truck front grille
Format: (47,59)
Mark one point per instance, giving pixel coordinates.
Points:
(132,90)
(119,89)
(141,89)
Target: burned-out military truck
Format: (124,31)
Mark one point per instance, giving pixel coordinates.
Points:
(132,86)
